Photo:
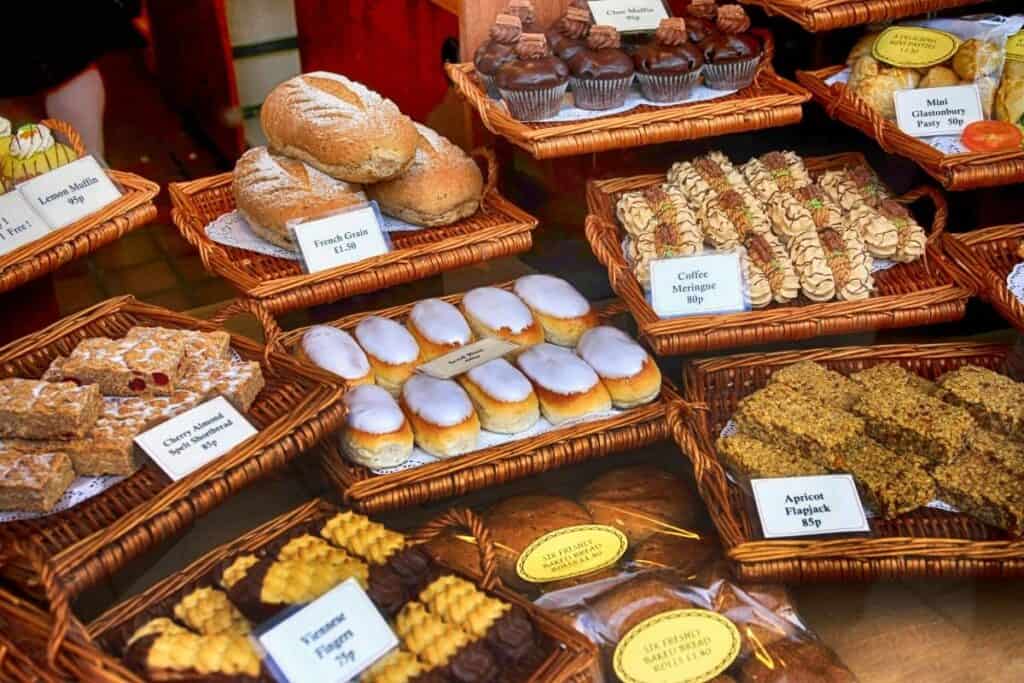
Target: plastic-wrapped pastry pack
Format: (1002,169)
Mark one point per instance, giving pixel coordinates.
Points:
(976,56)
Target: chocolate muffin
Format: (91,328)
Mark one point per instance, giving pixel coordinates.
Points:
(533,86)
(499,50)
(732,56)
(568,35)
(602,72)
(669,66)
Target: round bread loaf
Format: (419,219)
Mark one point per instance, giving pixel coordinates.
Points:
(685,556)
(271,190)
(339,126)
(614,613)
(641,501)
(517,522)
(442,186)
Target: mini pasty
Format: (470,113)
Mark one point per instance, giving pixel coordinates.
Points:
(1010,102)
(878,92)
(977,58)
(939,77)
(907,78)
(862,48)
(861,70)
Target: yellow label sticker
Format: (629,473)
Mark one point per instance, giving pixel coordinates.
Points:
(681,646)
(913,47)
(572,551)
(1015,47)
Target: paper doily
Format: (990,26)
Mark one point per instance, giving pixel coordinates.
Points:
(81,490)
(1015,281)
(232,230)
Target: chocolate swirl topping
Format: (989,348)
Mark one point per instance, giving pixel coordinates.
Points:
(603,37)
(575,24)
(705,9)
(507,29)
(532,46)
(671,31)
(733,19)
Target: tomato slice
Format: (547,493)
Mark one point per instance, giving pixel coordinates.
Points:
(992,136)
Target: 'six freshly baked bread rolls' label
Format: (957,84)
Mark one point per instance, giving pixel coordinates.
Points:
(1015,47)
(913,47)
(680,646)
(572,551)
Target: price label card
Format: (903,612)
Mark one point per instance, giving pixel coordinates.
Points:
(332,639)
(19,224)
(691,285)
(341,238)
(465,358)
(73,191)
(629,15)
(188,441)
(938,111)
(809,506)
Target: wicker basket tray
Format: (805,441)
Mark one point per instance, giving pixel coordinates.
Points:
(966,171)
(133,209)
(770,102)
(362,490)
(81,651)
(927,543)
(296,408)
(498,229)
(987,257)
(919,293)
(827,15)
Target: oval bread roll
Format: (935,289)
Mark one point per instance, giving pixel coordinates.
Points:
(626,369)
(504,398)
(566,386)
(562,311)
(494,312)
(336,351)
(443,419)
(438,328)
(271,190)
(392,351)
(442,186)
(376,432)
(339,126)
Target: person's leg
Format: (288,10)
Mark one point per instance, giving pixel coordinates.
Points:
(80,101)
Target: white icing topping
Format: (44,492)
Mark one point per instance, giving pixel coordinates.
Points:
(5,127)
(31,139)
(551,296)
(438,401)
(497,308)
(440,322)
(501,381)
(611,352)
(557,369)
(336,351)
(387,341)
(373,410)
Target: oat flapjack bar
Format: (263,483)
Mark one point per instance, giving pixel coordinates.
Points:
(781,416)
(817,382)
(983,489)
(891,375)
(754,458)
(895,483)
(33,482)
(995,400)
(908,421)
(34,409)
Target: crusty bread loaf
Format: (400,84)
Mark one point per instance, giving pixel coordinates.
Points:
(339,126)
(271,190)
(443,185)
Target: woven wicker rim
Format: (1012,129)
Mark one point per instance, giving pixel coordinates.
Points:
(986,256)
(84,651)
(306,405)
(713,386)
(771,101)
(827,15)
(910,305)
(965,171)
(40,257)
(500,229)
(365,491)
